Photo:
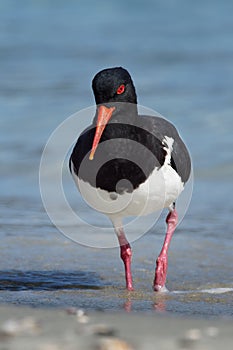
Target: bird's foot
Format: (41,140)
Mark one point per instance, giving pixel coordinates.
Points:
(160,274)
(160,289)
(130,288)
(129,281)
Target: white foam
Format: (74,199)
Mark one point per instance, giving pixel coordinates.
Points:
(216,290)
(210,291)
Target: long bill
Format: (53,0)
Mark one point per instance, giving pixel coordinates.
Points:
(104,115)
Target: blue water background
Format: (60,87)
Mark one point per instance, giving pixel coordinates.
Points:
(180,55)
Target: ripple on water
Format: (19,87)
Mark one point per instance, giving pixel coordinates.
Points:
(14,280)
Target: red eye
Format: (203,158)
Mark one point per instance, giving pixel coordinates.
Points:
(121,89)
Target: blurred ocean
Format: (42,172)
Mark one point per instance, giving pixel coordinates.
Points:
(180,55)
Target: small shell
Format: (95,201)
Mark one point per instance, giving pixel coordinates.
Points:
(114,344)
(193,334)
(191,337)
(27,325)
(82,316)
(103,330)
(80,313)
(212,331)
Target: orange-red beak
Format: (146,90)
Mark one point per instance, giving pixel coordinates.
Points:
(104,115)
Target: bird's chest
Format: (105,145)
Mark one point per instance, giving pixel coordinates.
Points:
(158,191)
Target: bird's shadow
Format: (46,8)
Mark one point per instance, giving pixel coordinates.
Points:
(15,280)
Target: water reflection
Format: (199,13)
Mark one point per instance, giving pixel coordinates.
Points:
(159,305)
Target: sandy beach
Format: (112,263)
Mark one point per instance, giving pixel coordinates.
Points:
(53,329)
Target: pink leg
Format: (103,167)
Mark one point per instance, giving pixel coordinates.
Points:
(161,263)
(126,254)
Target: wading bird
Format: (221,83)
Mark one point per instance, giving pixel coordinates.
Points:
(124,157)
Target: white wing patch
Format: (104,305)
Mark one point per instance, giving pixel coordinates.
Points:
(168,147)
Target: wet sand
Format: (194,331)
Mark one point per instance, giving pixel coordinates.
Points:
(53,329)
(49,271)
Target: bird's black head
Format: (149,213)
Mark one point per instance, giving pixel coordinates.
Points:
(115,98)
(114,85)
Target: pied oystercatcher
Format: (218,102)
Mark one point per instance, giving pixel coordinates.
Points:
(129,164)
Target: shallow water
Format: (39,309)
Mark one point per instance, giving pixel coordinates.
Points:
(181,61)
(39,267)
